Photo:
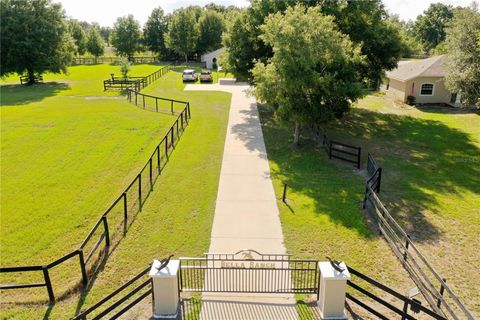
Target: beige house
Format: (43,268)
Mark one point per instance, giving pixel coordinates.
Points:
(422,79)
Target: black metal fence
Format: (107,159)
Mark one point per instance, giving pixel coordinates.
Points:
(116,218)
(395,299)
(342,151)
(432,286)
(248,271)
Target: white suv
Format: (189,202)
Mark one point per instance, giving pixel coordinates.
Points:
(189,75)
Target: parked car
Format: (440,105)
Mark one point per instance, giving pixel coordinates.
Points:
(189,75)
(206,76)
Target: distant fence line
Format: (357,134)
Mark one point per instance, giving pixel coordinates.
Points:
(127,204)
(97,60)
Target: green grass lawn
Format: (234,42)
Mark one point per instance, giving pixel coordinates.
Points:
(177,216)
(67,151)
(431,184)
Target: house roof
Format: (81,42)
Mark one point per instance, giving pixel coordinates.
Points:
(431,67)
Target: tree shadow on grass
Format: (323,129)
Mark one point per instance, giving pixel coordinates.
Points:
(24,94)
(419,157)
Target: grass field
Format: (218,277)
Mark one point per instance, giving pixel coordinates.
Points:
(178,214)
(431,183)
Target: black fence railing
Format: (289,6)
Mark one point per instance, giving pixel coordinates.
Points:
(139,288)
(396,303)
(432,286)
(342,151)
(135,83)
(116,218)
(25,79)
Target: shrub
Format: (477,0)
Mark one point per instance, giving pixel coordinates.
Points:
(125,66)
(410,100)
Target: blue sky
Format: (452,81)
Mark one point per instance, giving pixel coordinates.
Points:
(105,12)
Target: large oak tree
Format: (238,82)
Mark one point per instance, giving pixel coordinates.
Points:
(312,76)
(34,38)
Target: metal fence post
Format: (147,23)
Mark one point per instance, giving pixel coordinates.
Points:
(143,101)
(82,267)
(171,132)
(176,124)
(156,104)
(284,196)
(48,284)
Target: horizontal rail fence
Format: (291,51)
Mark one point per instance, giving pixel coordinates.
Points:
(244,274)
(342,151)
(135,83)
(154,103)
(402,306)
(432,286)
(116,218)
(119,299)
(97,60)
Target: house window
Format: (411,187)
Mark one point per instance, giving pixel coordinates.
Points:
(426,89)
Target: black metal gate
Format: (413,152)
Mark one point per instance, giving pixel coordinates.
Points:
(249,271)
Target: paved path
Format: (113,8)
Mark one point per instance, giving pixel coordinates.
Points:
(246,212)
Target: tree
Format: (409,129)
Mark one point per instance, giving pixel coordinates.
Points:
(95,44)
(365,22)
(463,60)
(430,26)
(126,36)
(311,77)
(34,38)
(210,30)
(154,31)
(78,35)
(182,34)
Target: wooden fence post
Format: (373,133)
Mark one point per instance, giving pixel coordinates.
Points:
(407,245)
(156,104)
(158,159)
(284,196)
(48,284)
(171,132)
(107,233)
(171,106)
(442,289)
(151,174)
(125,212)
(82,267)
(330,150)
(140,191)
(143,101)
(359,157)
